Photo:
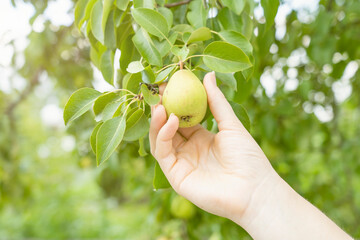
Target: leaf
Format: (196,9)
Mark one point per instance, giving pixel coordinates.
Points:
(127,50)
(164,46)
(182,28)
(270,9)
(95,21)
(131,81)
(103,100)
(244,88)
(142,151)
(225,58)
(228,79)
(110,110)
(93,136)
(163,74)
(144,4)
(137,126)
(110,34)
(241,114)
(146,48)
(79,102)
(200,34)
(160,181)
(135,67)
(149,97)
(197,14)
(236,6)
(80,12)
(148,75)
(168,15)
(107,66)
(229,20)
(152,21)
(87,13)
(107,5)
(122,4)
(237,39)
(181,53)
(109,137)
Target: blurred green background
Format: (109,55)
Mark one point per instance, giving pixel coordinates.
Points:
(303,101)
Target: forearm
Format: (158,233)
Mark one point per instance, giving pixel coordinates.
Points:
(276,211)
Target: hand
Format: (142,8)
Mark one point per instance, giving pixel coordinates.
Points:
(217,172)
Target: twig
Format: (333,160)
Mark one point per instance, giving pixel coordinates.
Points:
(33,82)
(170,5)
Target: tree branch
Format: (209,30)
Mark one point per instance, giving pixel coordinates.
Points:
(175,4)
(33,82)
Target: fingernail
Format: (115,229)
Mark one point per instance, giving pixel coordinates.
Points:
(213,79)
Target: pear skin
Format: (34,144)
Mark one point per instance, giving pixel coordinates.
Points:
(185,96)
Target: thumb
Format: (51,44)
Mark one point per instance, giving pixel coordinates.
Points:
(219,106)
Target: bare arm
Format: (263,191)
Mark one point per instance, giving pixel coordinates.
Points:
(227,174)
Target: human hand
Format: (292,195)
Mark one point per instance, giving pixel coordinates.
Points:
(217,172)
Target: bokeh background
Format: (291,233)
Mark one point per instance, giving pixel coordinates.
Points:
(303,101)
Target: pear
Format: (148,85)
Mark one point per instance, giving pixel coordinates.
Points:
(185,96)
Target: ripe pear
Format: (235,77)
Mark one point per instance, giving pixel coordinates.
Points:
(185,96)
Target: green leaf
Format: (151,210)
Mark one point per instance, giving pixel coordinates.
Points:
(163,74)
(107,66)
(229,20)
(132,82)
(124,30)
(144,4)
(79,102)
(103,100)
(110,34)
(137,126)
(142,150)
(95,21)
(197,14)
(149,97)
(241,114)
(160,181)
(244,88)
(225,57)
(148,75)
(237,39)
(93,136)
(181,53)
(200,34)
(164,46)
(228,79)
(182,28)
(135,67)
(168,15)
(152,21)
(236,6)
(87,13)
(146,48)
(127,53)
(270,9)
(122,4)
(110,110)
(109,137)
(80,12)
(105,13)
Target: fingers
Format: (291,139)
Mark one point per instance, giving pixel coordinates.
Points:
(191,131)
(164,151)
(219,106)
(162,88)
(158,119)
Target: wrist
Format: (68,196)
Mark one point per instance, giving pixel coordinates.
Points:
(271,192)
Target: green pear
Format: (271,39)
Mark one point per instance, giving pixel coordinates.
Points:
(185,96)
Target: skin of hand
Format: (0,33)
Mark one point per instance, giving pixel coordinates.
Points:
(228,174)
(217,172)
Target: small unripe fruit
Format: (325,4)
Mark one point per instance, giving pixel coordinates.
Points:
(185,96)
(182,208)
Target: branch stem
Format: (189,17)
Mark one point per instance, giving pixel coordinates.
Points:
(176,4)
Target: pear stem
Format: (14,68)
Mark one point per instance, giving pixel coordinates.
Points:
(181,63)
